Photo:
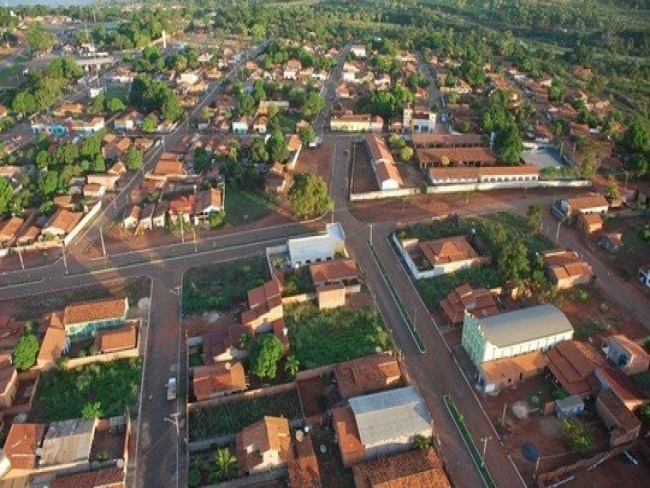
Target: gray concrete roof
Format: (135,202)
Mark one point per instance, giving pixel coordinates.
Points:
(389,415)
(525,325)
(68,441)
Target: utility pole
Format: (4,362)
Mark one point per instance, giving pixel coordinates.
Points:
(485,440)
(371,234)
(101,236)
(194,233)
(173,419)
(65,262)
(503,415)
(415,314)
(20,256)
(181,215)
(557,232)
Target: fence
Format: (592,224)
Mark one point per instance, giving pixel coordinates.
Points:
(302,298)
(552,477)
(470,187)
(260,392)
(101,358)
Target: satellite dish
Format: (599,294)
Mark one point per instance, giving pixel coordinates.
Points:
(20,418)
(323,449)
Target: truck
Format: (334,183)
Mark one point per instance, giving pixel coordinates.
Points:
(171,388)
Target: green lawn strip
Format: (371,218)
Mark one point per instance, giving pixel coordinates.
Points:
(321,337)
(400,305)
(243,207)
(469,441)
(232,417)
(110,387)
(221,286)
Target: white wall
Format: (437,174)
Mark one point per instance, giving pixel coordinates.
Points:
(492,352)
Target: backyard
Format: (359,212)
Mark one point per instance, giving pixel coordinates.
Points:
(243,207)
(321,337)
(229,418)
(97,390)
(222,286)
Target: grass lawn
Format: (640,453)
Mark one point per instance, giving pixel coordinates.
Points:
(117,91)
(320,337)
(243,207)
(592,327)
(232,417)
(223,285)
(288,121)
(432,290)
(104,388)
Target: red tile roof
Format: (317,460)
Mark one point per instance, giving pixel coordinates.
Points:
(21,444)
(303,470)
(333,271)
(573,364)
(95,310)
(456,155)
(104,478)
(366,375)
(447,250)
(218,378)
(269,434)
(264,293)
(479,302)
(117,339)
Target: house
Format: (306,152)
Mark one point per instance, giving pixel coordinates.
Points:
(291,69)
(622,386)
(264,445)
(294,146)
(418,119)
(380,424)
(303,469)
(240,125)
(182,207)
(117,339)
(519,176)
(565,269)
(592,204)
(116,149)
(190,77)
(218,379)
(448,254)
(61,223)
(208,203)
(117,169)
(100,478)
(343,90)
(611,242)
(417,468)
(108,181)
(314,249)
(225,344)
(496,375)
(479,302)
(159,217)
(128,122)
(330,296)
(367,374)
(513,333)
(569,407)
(349,122)
(146,216)
(358,50)
(8,380)
(260,123)
(276,182)
(589,223)
(132,216)
(82,319)
(9,230)
(10,332)
(622,424)
(644,275)
(571,365)
(54,343)
(424,140)
(22,443)
(68,441)
(142,143)
(629,356)
(265,307)
(383,164)
(169,166)
(94,190)
(337,272)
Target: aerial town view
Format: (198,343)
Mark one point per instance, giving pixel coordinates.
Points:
(324,243)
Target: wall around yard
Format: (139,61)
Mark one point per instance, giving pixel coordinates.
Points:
(246,395)
(82,223)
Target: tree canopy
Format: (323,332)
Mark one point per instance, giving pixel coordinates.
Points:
(264,356)
(309,196)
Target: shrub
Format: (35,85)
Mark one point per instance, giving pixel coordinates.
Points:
(578,436)
(265,355)
(24,355)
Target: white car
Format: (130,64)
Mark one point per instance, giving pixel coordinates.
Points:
(171,389)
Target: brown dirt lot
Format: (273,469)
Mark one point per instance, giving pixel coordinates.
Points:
(422,206)
(312,390)
(635,250)
(31,259)
(618,471)
(316,161)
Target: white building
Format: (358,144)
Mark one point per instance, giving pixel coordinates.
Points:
(514,333)
(314,249)
(359,51)
(419,119)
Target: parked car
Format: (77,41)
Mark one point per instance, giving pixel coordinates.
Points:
(171,389)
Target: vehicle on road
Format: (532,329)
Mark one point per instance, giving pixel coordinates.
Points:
(171,389)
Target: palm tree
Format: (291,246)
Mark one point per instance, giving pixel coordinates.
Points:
(226,464)
(292,365)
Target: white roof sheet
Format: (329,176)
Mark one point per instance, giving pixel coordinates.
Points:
(525,325)
(389,415)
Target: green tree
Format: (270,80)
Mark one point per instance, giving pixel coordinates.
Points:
(49,184)
(314,103)
(194,473)
(202,159)
(265,355)
(307,134)
(91,147)
(277,147)
(92,410)
(150,123)
(99,164)
(578,436)
(258,153)
(406,153)
(225,464)
(509,145)
(24,354)
(292,365)
(309,196)
(637,136)
(513,260)
(38,38)
(42,159)
(116,105)
(612,191)
(133,159)
(534,217)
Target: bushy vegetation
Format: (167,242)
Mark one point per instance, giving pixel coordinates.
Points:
(97,390)
(264,356)
(320,337)
(232,417)
(309,196)
(24,354)
(222,286)
(578,435)
(432,290)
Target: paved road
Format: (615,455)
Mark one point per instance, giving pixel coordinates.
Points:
(434,373)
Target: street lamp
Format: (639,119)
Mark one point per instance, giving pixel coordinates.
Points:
(485,440)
